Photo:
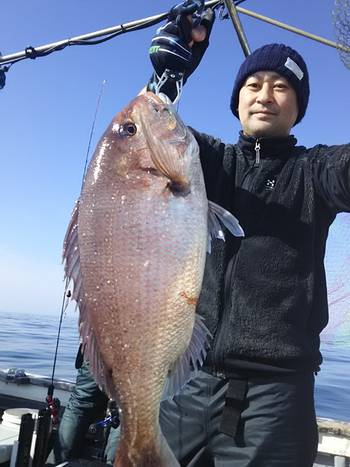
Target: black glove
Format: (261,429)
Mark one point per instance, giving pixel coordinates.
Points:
(188,7)
(170,49)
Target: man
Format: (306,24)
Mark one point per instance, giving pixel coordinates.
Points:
(87,405)
(264,297)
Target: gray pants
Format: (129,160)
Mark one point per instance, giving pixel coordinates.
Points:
(86,404)
(276,423)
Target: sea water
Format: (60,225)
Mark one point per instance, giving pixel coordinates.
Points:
(29,342)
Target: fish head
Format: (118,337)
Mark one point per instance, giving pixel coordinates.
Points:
(147,140)
(173,150)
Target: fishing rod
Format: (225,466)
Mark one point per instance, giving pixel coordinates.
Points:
(53,403)
(6,61)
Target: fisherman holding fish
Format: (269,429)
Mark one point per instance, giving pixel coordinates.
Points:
(263,296)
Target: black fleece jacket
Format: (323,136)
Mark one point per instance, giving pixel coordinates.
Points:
(264,297)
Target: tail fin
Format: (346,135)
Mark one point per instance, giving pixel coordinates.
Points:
(150,455)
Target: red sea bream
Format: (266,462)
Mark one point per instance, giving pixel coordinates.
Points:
(135,250)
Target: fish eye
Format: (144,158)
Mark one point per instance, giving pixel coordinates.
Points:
(128,129)
(131,129)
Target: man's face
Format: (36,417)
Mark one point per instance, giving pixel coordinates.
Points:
(267,105)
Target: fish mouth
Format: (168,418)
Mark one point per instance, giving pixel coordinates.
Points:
(165,117)
(164,98)
(180,187)
(158,98)
(157,102)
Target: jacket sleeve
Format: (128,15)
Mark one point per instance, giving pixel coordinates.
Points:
(331,175)
(211,151)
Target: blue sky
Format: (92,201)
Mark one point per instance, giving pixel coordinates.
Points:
(47,108)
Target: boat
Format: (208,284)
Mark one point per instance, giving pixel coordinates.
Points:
(29,397)
(334,443)
(25,393)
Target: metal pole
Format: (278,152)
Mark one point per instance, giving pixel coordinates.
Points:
(42,438)
(294,29)
(339,461)
(20,55)
(231,7)
(92,35)
(66,42)
(25,440)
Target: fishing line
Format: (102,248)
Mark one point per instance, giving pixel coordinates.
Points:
(67,295)
(92,132)
(53,404)
(65,301)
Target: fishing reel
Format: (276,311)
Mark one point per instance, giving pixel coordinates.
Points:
(53,405)
(111,421)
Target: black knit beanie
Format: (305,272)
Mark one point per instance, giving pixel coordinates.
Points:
(283,60)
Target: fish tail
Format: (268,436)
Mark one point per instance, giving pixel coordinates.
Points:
(146,456)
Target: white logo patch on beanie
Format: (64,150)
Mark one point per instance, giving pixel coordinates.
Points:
(294,68)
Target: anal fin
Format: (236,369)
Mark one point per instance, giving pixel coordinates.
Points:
(190,361)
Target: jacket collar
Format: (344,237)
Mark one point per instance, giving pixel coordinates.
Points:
(269,147)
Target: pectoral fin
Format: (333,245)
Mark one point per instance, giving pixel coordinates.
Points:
(218,216)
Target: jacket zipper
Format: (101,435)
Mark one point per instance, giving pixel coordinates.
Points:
(218,360)
(256,163)
(257,153)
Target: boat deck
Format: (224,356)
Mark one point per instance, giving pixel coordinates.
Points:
(334,436)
